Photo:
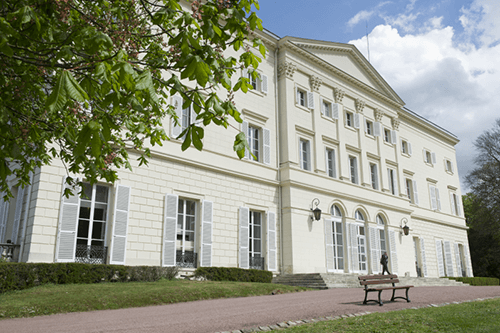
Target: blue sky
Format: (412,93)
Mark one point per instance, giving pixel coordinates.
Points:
(441,57)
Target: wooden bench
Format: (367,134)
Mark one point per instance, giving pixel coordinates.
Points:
(374,282)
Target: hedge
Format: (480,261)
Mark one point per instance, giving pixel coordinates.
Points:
(19,276)
(234,274)
(477,281)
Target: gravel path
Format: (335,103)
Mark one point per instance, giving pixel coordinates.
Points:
(239,313)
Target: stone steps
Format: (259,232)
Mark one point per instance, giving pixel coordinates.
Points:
(328,281)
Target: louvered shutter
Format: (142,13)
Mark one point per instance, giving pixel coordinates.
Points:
(439,255)
(357,120)
(377,129)
(310,100)
(353,247)
(309,153)
(244,237)
(335,110)
(394,254)
(452,202)
(433,157)
(68,224)
(374,249)
(244,129)
(263,85)
(424,261)
(329,246)
(468,262)
(457,259)
(394,137)
(448,258)
(170,229)
(266,133)
(409,149)
(433,197)
(177,103)
(4,208)
(323,106)
(452,167)
(401,143)
(272,258)
(459,206)
(438,201)
(17,214)
(206,233)
(415,192)
(120,225)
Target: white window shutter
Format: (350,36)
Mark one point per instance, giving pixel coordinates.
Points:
(177,103)
(401,143)
(266,133)
(353,247)
(170,230)
(374,250)
(357,120)
(438,201)
(206,233)
(244,129)
(394,137)
(452,203)
(457,260)
(310,100)
(468,262)
(309,153)
(120,225)
(17,214)
(448,259)
(329,245)
(415,192)
(4,208)
(323,111)
(434,159)
(459,205)
(335,110)
(68,225)
(244,73)
(452,167)
(263,85)
(409,149)
(272,257)
(424,261)
(439,255)
(244,237)
(433,197)
(377,129)
(394,254)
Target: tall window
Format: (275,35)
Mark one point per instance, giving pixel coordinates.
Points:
(186,118)
(392,180)
(327,108)
(374,175)
(253,81)
(92,219)
(186,226)
(349,119)
(387,135)
(369,127)
(301,97)
(255,235)
(253,142)
(338,240)
(330,162)
(361,241)
(455,204)
(353,168)
(435,200)
(305,152)
(381,233)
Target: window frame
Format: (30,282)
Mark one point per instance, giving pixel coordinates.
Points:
(331,170)
(305,161)
(392,181)
(374,176)
(369,129)
(353,169)
(255,142)
(184,218)
(251,235)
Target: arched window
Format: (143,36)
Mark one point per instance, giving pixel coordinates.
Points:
(359,216)
(380,220)
(381,235)
(335,244)
(336,211)
(361,242)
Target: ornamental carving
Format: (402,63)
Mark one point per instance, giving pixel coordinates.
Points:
(339,95)
(288,69)
(360,105)
(378,115)
(315,82)
(395,123)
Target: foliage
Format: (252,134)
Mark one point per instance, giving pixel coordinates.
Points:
(90,81)
(477,281)
(234,274)
(52,299)
(19,276)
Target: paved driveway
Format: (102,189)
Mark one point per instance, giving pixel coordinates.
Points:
(238,313)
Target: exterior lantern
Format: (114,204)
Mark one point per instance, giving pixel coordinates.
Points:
(405,230)
(316,211)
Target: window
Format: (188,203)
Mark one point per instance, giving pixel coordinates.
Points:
(304,98)
(255,240)
(448,166)
(369,127)
(185,117)
(405,147)
(349,119)
(330,162)
(186,225)
(301,97)
(253,142)
(381,233)
(374,175)
(305,154)
(392,181)
(411,190)
(326,108)
(338,240)
(455,204)
(259,141)
(387,135)
(353,169)
(259,83)
(92,222)
(429,157)
(361,241)
(434,196)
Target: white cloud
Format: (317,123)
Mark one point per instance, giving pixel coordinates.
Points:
(481,21)
(364,15)
(456,87)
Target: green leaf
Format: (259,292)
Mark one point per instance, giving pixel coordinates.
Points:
(73,88)
(83,139)
(187,139)
(57,99)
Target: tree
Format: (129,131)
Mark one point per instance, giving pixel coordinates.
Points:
(482,205)
(87,81)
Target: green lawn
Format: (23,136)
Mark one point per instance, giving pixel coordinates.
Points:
(51,299)
(480,316)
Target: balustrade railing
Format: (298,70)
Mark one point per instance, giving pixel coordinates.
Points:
(91,254)
(188,259)
(257,263)
(7,251)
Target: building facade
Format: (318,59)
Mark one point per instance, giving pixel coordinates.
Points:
(325,131)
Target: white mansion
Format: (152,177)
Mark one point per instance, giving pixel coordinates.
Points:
(327,132)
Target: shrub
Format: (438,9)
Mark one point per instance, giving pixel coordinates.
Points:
(477,281)
(234,274)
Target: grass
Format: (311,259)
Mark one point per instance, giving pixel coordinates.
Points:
(52,299)
(480,316)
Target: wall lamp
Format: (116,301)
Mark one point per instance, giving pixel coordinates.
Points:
(405,230)
(316,211)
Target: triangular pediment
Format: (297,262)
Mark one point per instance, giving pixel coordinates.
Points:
(348,59)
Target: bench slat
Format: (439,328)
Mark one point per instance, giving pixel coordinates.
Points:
(378,282)
(378,276)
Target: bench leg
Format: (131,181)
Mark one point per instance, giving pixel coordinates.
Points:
(393,295)
(407,299)
(366,295)
(379,299)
